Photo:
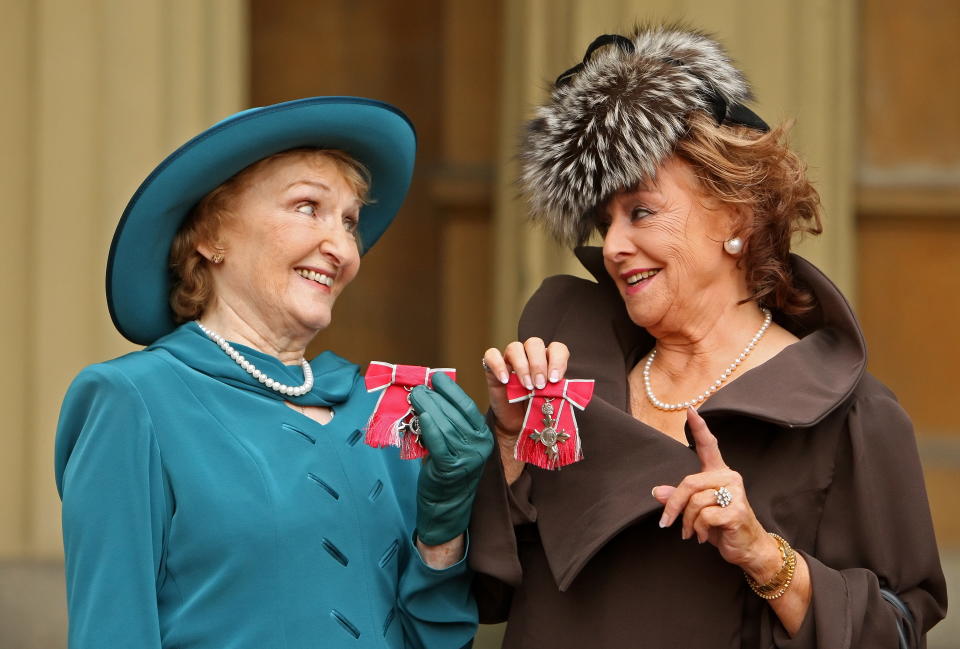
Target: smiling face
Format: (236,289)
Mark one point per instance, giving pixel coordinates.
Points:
(663,247)
(290,245)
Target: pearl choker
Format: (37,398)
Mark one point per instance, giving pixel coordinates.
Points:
(250,369)
(660,405)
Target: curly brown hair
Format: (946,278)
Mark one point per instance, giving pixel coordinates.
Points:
(758,171)
(193,284)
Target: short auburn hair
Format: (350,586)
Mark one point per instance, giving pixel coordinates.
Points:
(745,167)
(192,288)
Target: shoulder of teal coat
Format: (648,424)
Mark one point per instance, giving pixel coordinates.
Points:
(103,393)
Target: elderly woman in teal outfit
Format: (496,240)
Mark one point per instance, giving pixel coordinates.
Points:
(216,490)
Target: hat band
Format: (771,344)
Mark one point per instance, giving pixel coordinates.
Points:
(734,113)
(623,42)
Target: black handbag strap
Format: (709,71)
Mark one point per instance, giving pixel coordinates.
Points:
(905,624)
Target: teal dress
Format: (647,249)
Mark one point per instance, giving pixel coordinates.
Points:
(200,511)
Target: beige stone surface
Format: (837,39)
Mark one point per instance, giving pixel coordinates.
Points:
(96,93)
(33,612)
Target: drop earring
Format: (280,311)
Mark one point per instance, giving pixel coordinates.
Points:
(733,246)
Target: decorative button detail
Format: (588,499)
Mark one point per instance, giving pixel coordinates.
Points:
(294,429)
(375,491)
(387,622)
(389,554)
(345,623)
(354,438)
(323,485)
(334,552)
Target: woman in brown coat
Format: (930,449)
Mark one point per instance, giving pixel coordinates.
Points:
(745,482)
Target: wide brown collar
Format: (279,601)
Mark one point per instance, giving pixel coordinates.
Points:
(586,504)
(796,388)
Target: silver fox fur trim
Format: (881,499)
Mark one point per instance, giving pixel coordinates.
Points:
(616,120)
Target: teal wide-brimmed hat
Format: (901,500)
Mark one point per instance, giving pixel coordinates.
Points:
(139,279)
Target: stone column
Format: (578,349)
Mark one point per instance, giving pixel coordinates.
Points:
(98,92)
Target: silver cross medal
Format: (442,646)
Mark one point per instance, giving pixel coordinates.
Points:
(549,436)
(411,423)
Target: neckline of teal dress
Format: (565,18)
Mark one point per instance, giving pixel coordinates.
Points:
(333,376)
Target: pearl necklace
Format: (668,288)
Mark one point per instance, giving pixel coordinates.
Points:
(660,405)
(251,369)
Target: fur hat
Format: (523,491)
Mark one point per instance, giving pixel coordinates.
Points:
(612,119)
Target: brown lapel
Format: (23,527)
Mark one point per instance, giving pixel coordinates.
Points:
(584,505)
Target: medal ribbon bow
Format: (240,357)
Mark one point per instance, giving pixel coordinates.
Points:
(554,440)
(394,422)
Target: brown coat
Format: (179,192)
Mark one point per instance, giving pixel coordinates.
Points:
(575,558)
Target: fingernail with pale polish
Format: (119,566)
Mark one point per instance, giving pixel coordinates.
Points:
(554,376)
(663,521)
(541,382)
(527,383)
(504,377)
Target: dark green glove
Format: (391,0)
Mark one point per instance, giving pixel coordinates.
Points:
(456,434)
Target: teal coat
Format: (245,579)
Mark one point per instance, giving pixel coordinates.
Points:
(200,511)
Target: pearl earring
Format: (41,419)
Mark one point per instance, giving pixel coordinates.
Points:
(733,246)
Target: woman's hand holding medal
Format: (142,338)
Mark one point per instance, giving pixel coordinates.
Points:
(455,433)
(535,364)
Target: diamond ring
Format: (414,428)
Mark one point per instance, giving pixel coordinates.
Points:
(723,496)
(483,361)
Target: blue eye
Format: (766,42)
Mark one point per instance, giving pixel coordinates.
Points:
(351,223)
(307,208)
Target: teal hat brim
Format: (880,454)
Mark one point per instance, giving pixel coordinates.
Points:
(138,277)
